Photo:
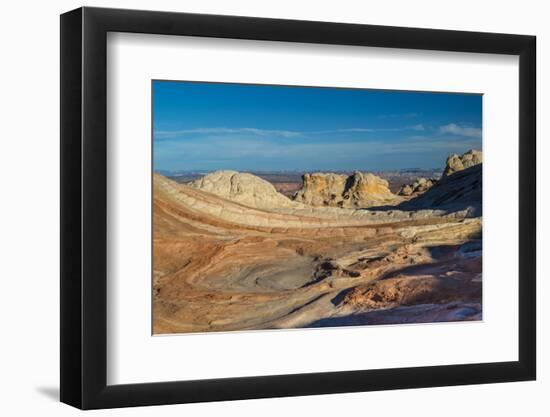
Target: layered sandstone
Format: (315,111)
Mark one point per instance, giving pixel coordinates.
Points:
(359,190)
(232,254)
(212,208)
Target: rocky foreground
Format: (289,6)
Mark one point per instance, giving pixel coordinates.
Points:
(231,253)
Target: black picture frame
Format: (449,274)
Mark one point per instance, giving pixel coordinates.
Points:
(84,207)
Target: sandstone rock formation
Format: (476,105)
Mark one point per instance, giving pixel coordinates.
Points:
(359,190)
(322,189)
(225,261)
(215,209)
(243,188)
(460,190)
(457,163)
(231,253)
(419,186)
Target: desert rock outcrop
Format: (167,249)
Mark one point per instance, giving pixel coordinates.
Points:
(419,186)
(230,253)
(359,190)
(457,163)
(243,188)
(458,191)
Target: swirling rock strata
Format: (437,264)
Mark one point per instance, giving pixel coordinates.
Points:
(225,260)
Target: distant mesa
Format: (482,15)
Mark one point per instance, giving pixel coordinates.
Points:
(359,190)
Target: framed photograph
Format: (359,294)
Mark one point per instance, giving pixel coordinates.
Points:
(257,208)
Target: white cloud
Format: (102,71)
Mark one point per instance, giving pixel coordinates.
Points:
(417,127)
(454,129)
(173,134)
(233,151)
(224,130)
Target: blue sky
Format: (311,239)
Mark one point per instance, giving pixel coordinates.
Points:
(209,126)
